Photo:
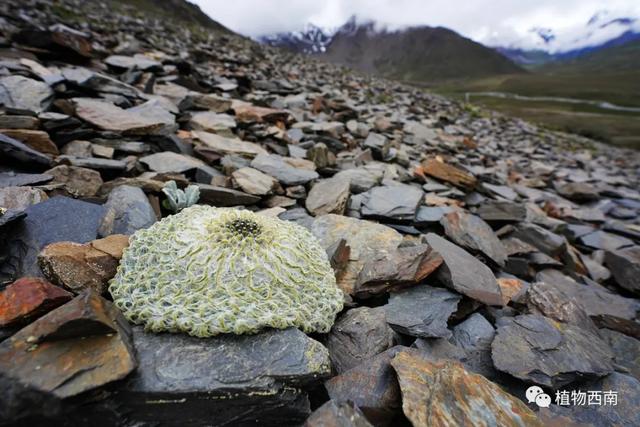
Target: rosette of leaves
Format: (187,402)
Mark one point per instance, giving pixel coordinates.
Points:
(178,199)
(207,271)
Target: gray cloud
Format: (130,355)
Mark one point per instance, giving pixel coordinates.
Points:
(492,22)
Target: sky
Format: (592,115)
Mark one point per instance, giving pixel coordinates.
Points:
(508,23)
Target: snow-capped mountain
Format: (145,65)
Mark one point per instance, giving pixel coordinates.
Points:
(310,40)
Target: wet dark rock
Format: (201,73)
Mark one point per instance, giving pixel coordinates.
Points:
(20,152)
(358,335)
(624,264)
(464,273)
(59,40)
(103,355)
(127,211)
(421,311)
(538,349)
(222,197)
(372,386)
(474,234)
(393,203)
(54,220)
(337,415)
(261,381)
(277,167)
(403,267)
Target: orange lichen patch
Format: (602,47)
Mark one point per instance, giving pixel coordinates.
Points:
(443,394)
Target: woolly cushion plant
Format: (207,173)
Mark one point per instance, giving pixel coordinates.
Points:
(207,271)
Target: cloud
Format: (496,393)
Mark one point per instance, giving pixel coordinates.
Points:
(492,22)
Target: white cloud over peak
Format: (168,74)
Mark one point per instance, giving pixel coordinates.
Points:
(492,22)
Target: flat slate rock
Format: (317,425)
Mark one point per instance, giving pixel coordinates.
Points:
(444,393)
(16,150)
(502,211)
(358,335)
(55,220)
(474,234)
(537,349)
(127,211)
(107,116)
(624,264)
(223,197)
(250,378)
(274,165)
(366,239)
(543,239)
(393,203)
(464,273)
(328,196)
(421,311)
(13,179)
(22,95)
(626,350)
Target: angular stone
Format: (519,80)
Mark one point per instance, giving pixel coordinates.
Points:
(54,220)
(475,333)
(98,82)
(444,394)
(28,298)
(277,167)
(169,162)
(19,122)
(501,191)
(429,215)
(366,239)
(626,350)
(107,166)
(20,198)
(603,240)
(358,335)
(127,211)
(224,197)
(208,121)
(406,266)
(223,146)
(448,173)
(543,239)
(81,345)
(21,95)
(107,116)
(20,152)
(13,179)
(360,179)
(36,139)
(337,415)
(421,311)
(538,349)
(201,101)
(378,144)
(77,266)
(328,196)
(77,181)
(474,234)
(624,264)
(395,203)
(245,379)
(464,273)
(254,182)
(578,191)
(502,211)
(372,386)
(248,113)
(64,41)
(137,62)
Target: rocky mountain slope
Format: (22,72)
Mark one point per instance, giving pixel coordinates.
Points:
(478,255)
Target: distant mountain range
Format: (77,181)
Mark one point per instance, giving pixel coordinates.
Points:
(424,54)
(416,54)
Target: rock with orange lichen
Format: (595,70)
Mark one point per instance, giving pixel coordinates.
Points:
(444,393)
